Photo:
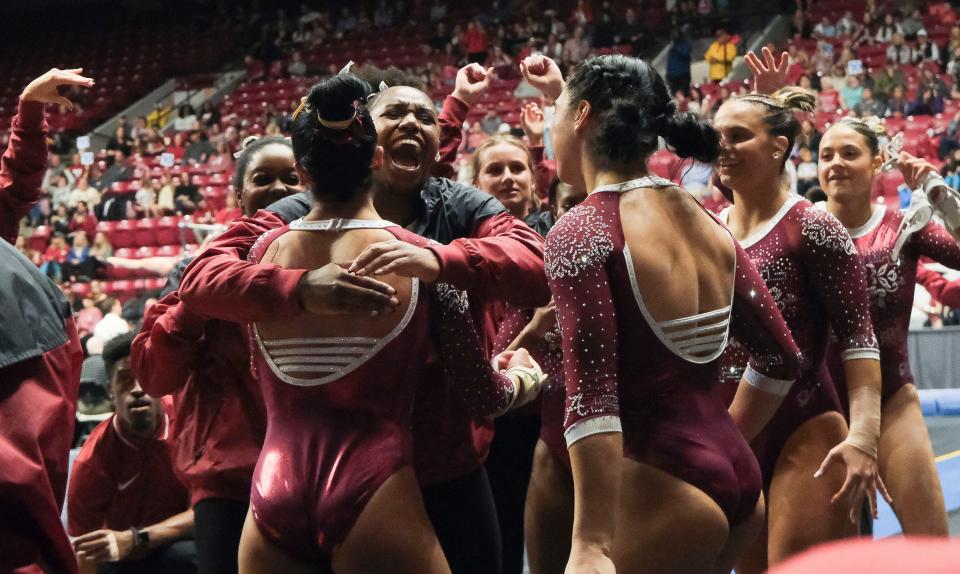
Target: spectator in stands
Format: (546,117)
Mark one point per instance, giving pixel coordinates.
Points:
(186,196)
(870,105)
(59,192)
(678,63)
(118,170)
(209,114)
(199,148)
(720,55)
(79,265)
(932,81)
(145,200)
(582,14)
(865,32)
(632,32)
(926,104)
(297,67)
(807,176)
(158,118)
(925,50)
(112,323)
(186,119)
(120,141)
(898,51)
(890,77)
(491,122)
(126,505)
(887,30)
(101,248)
(605,29)
(438,11)
(576,48)
(87,318)
(55,168)
(800,25)
(83,192)
(229,212)
(475,42)
(165,195)
(499,59)
(83,221)
(948,144)
(912,25)
(847,26)
(54,257)
(383,16)
(829,98)
(154,145)
(898,105)
(809,136)
(825,29)
(851,95)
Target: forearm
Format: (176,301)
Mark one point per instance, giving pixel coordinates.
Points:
(451,121)
(596,464)
(173,529)
(863,388)
(22,167)
(528,338)
(753,408)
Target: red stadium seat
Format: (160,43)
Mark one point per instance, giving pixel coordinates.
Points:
(40,238)
(167,232)
(168,251)
(122,289)
(145,233)
(123,234)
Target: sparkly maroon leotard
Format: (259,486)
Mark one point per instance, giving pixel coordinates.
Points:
(812,269)
(339,408)
(891,287)
(653,380)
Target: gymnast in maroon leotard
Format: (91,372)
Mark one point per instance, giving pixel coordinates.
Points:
(334,486)
(811,267)
(645,311)
(849,159)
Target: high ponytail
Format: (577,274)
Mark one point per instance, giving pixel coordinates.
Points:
(334,139)
(633,107)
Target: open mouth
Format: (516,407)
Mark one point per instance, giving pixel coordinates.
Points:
(407,155)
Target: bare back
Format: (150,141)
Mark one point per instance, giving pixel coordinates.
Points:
(304,249)
(683,260)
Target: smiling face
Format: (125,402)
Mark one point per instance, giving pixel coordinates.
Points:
(504,172)
(746,146)
(270,176)
(138,413)
(408,131)
(847,165)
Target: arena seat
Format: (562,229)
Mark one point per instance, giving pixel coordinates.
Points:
(123,234)
(145,232)
(167,232)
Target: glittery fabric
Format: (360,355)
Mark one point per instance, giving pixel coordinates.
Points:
(891,288)
(812,269)
(330,446)
(617,367)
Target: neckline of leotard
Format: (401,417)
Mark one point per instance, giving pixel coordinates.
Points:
(339,224)
(645,181)
(767,227)
(875,218)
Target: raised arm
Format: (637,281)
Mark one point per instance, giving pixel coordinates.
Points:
(25,160)
(576,266)
(472,83)
(757,324)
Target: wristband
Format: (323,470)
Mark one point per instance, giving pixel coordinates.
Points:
(864,420)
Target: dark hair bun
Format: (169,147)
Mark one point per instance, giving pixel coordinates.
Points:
(334,139)
(689,136)
(623,132)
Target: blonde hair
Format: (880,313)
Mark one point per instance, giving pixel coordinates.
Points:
(780,112)
(496,140)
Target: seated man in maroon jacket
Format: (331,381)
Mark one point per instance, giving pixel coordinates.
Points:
(125,505)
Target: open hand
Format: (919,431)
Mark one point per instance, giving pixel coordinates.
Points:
(862,479)
(44,88)
(768,74)
(332,290)
(398,257)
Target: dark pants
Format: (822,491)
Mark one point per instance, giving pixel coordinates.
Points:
(509,466)
(218,523)
(178,558)
(679,83)
(465,520)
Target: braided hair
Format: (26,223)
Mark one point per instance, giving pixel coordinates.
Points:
(870,128)
(780,113)
(334,139)
(633,107)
